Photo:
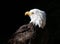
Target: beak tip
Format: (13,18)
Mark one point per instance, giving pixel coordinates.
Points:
(26,13)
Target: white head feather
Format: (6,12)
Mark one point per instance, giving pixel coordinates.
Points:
(38,17)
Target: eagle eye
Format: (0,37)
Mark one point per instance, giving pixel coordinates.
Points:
(32,12)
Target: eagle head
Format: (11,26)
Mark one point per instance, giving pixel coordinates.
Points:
(38,17)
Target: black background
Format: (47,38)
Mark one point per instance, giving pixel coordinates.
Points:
(13,17)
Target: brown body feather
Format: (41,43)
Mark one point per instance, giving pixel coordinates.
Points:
(29,34)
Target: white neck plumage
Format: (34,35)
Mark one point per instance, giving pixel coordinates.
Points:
(38,20)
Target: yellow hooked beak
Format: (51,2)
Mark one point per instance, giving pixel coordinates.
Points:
(27,13)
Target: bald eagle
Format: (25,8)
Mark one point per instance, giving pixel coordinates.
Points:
(38,17)
(31,33)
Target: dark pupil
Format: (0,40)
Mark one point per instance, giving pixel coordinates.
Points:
(32,12)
